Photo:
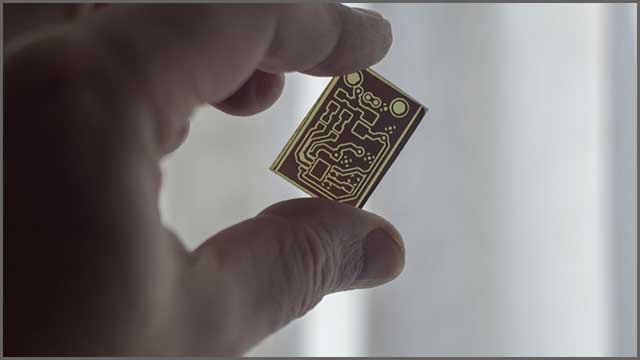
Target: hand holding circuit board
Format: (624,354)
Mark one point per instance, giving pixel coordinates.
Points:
(117,89)
(349,139)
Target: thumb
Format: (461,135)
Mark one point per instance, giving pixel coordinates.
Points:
(276,266)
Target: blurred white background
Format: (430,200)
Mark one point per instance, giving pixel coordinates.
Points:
(516,196)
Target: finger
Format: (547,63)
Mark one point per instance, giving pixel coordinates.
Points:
(275,267)
(355,39)
(256,95)
(172,58)
(226,43)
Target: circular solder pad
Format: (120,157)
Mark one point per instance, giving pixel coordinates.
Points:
(399,107)
(353,79)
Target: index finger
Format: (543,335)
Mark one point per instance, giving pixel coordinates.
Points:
(187,54)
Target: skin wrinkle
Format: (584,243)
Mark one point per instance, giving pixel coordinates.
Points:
(349,246)
(316,264)
(309,252)
(330,256)
(352,264)
(295,273)
(300,264)
(321,253)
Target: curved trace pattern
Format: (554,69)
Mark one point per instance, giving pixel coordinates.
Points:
(344,145)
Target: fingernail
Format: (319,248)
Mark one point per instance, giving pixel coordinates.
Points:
(370,12)
(383,258)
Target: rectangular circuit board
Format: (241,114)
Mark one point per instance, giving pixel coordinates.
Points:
(350,137)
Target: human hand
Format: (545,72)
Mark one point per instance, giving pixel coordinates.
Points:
(90,109)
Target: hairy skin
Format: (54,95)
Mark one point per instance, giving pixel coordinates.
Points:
(91,105)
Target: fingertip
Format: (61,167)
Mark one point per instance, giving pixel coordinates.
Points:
(356,52)
(382,32)
(393,233)
(327,40)
(383,259)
